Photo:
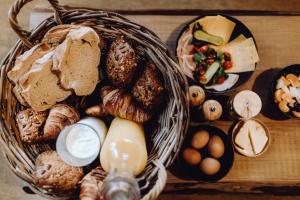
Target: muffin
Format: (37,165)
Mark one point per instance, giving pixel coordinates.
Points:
(52,174)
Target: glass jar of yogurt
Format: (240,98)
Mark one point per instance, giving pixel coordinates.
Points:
(79,144)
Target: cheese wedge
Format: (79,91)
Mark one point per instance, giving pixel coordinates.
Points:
(242,140)
(258,136)
(219,26)
(243,55)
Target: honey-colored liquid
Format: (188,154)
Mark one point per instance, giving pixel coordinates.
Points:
(124,149)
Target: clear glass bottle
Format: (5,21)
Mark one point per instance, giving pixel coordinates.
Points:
(120,186)
(123,156)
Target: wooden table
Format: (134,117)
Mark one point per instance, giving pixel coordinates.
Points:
(278,170)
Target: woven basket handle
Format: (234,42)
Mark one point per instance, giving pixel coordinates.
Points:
(14,11)
(160,183)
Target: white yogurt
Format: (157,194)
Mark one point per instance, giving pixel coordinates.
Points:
(82,141)
(79,144)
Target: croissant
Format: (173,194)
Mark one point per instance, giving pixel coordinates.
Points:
(119,103)
(90,188)
(96,111)
(60,116)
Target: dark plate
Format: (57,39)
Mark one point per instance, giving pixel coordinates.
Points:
(186,171)
(292,69)
(240,28)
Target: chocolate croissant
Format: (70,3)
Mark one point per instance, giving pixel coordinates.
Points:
(119,103)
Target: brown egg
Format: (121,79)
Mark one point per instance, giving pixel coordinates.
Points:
(216,146)
(197,95)
(200,139)
(192,156)
(210,166)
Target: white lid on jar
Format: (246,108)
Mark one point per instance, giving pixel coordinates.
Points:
(247,104)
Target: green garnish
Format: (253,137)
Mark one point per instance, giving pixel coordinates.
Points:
(199,57)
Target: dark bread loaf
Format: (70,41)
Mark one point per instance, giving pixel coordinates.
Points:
(30,125)
(121,63)
(148,90)
(52,174)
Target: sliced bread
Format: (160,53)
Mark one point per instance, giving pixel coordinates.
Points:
(76,61)
(23,62)
(58,34)
(39,86)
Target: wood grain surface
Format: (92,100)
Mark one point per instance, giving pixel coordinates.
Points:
(278,45)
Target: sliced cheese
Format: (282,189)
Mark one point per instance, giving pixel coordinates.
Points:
(243,55)
(258,136)
(228,83)
(219,26)
(204,21)
(242,140)
(251,138)
(238,39)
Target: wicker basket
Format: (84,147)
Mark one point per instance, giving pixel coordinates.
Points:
(173,121)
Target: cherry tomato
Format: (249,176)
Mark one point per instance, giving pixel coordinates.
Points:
(221,80)
(227,65)
(227,56)
(202,49)
(202,78)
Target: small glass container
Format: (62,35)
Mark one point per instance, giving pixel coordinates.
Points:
(244,105)
(79,144)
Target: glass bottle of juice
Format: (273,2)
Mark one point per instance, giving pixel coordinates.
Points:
(123,156)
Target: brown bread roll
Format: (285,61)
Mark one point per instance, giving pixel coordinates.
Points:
(60,116)
(148,90)
(52,174)
(30,125)
(121,63)
(119,103)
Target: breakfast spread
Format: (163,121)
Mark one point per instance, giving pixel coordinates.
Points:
(207,56)
(56,79)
